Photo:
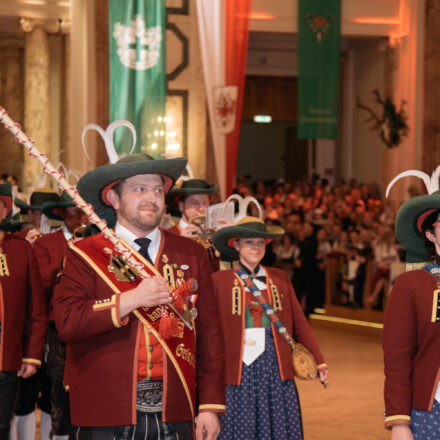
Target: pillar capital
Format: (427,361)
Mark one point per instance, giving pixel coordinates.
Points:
(51,26)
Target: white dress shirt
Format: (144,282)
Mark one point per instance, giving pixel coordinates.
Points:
(182,224)
(67,235)
(129,237)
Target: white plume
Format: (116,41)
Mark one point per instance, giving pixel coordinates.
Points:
(431,183)
(107,137)
(242,206)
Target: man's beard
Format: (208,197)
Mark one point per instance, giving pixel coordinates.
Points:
(152,220)
(196,222)
(144,223)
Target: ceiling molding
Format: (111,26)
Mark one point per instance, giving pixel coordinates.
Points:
(38,9)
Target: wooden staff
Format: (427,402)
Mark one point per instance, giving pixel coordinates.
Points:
(125,250)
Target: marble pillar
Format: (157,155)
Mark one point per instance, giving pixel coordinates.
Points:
(67,101)
(36,88)
(11,98)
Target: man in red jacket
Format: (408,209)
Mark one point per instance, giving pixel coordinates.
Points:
(50,251)
(34,391)
(130,377)
(34,211)
(192,200)
(22,314)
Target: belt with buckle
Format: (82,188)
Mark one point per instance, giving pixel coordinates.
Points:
(149,396)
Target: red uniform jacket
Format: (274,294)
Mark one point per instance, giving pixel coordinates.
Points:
(411,344)
(22,233)
(214,263)
(23,312)
(233,324)
(50,251)
(102,350)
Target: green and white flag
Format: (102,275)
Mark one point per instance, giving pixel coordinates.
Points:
(319,24)
(137,72)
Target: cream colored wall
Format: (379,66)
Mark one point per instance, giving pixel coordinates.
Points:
(367,148)
(359,17)
(191,79)
(361,151)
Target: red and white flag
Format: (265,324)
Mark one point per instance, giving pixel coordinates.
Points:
(224,36)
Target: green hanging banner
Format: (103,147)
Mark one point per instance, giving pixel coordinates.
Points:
(137,72)
(319,23)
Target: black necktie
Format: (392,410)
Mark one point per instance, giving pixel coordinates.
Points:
(144,243)
(253,276)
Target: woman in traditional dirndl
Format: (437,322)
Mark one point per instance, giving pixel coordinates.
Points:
(261,396)
(411,332)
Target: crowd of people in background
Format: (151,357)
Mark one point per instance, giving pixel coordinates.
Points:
(348,221)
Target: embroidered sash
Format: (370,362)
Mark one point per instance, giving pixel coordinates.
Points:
(181,350)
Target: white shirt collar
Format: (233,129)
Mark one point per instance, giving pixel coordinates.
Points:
(182,223)
(67,235)
(129,237)
(260,285)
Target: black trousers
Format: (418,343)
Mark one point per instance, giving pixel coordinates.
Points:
(34,391)
(59,399)
(8,395)
(149,426)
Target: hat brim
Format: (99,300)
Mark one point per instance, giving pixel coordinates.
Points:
(407,228)
(23,205)
(48,208)
(178,193)
(92,184)
(223,237)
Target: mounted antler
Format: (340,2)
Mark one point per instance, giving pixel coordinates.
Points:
(373,117)
(391,124)
(379,99)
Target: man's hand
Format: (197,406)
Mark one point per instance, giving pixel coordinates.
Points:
(32,235)
(26,370)
(190,231)
(401,432)
(149,292)
(207,426)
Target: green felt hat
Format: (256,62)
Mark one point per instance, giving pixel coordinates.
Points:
(247,227)
(193,186)
(409,220)
(64,202)
(6,198)
(38,198)
(94,185)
